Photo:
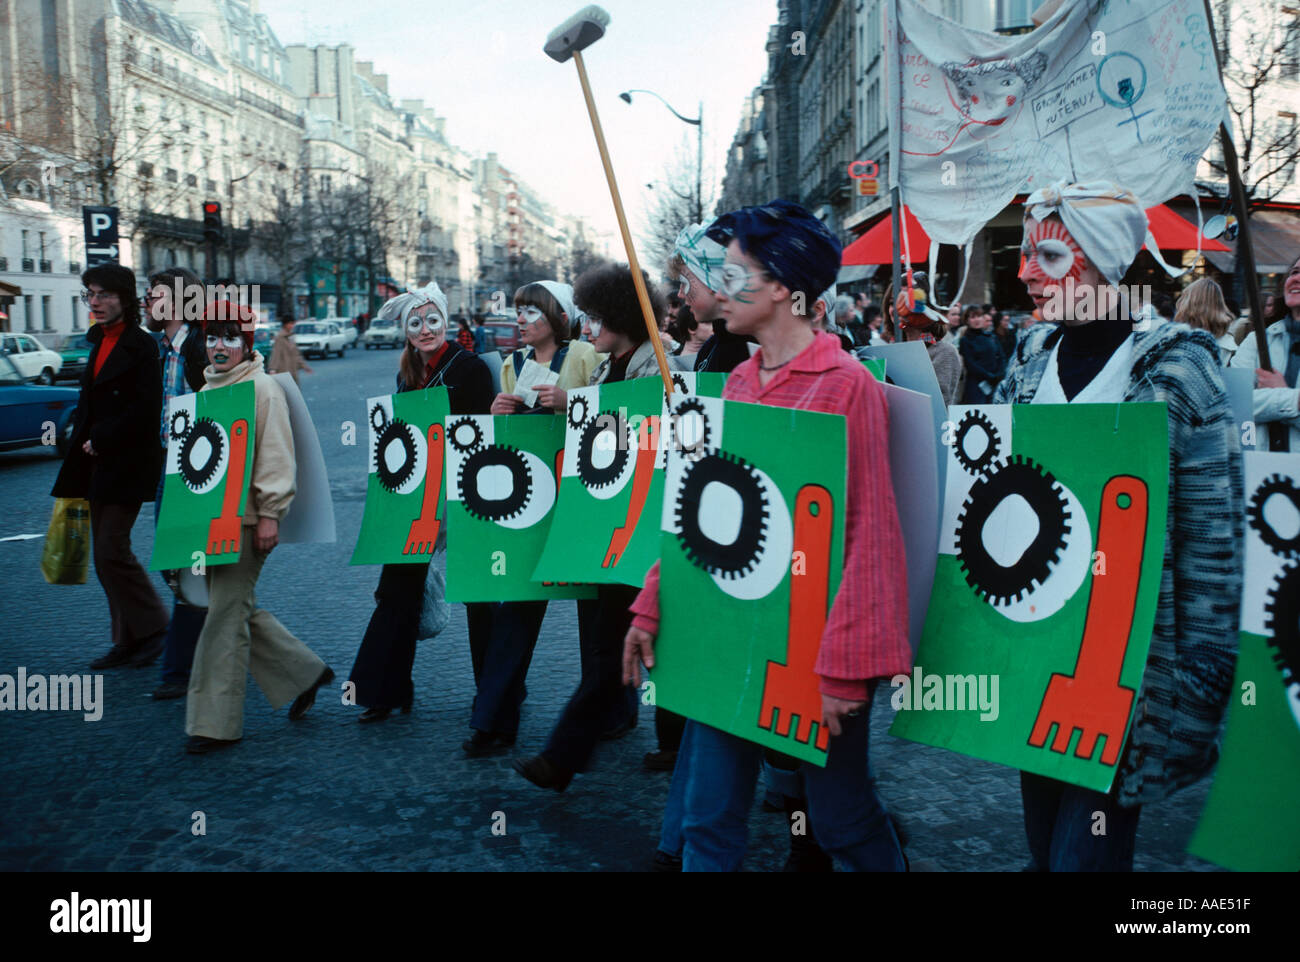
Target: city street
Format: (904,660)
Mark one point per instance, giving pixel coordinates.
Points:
(328,794)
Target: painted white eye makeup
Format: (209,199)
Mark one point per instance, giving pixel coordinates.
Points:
(1055,257)
(530,314)
(229,343)
(431,322)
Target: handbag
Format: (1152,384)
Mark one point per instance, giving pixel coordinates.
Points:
(435,613)
(66,557)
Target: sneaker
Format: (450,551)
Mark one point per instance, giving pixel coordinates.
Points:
(169,690)
(660,761)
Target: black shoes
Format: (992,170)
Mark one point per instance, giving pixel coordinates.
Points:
(147,652)
(662,760)
(484,744)
(117,656)
(379,714)
(543,773)
(169,690)
(663,862)
(201,744)
(618,731)
(308,698)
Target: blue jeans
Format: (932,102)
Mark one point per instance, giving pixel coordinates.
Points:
(182,638)
(847,817)
(1060,820)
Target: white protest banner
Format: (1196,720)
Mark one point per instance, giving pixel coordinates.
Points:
(1104,90)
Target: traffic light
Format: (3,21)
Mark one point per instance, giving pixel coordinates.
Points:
(211,222)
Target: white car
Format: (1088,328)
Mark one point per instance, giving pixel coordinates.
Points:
(34,361)
(321,338)
(383,333)
(349,330)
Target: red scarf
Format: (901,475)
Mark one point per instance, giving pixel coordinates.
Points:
(111,336)
(432,364)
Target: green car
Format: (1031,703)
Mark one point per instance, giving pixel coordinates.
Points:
(74,353)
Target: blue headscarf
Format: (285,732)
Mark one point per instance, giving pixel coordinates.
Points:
(791,244)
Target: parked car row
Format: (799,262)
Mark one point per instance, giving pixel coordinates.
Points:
(31,359)
(33,414)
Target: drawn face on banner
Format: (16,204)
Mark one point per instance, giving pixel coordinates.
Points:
(1050,260)
(991,94)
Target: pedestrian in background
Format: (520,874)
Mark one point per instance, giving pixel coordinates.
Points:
(114,459)
(981,356)
(922,323)
(184,358)
(382,670)
(285,356)
(1277,400)
(1201,306)
(237,636)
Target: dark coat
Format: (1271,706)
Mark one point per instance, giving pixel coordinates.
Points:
(985,364)
(195,354)
(467,379)
(120,413)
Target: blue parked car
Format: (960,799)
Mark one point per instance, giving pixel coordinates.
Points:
(25,408)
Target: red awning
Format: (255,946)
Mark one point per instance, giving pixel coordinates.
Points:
(876,246)
(1174,233)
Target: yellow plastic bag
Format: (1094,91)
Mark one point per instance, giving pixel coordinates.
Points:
(67,543)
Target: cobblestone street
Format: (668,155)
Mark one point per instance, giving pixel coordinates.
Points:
(329,794)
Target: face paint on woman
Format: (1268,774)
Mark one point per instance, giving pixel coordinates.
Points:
(1051,254)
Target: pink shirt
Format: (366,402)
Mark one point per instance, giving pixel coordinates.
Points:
(866,631)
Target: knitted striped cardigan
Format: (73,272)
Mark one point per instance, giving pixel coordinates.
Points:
(1185,689)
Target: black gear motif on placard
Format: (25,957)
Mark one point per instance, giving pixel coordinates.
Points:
(378,417)
(453,435)
(1283,624)
(521,479)
(400,432)
(577,404)
(1018,475)
(679,385)
(181,417)
(977,465)
(196,477)
(739,557)
(697,448)
(1275,485)
(592,476)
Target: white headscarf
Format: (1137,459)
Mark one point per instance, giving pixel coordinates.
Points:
(1105,220)
(564,294)
(702,255)
(399,308)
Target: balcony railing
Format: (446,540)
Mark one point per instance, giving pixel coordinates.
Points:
(29,265)
(274,109)
(45,267)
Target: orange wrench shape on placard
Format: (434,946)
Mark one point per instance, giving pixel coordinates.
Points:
(225,531)
(643,473)
(791,688)
(424,529)
(1092,699)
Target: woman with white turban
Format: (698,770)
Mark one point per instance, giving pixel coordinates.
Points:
(1079,241)
(382,672)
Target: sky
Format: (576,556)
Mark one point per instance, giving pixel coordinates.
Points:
(480,64)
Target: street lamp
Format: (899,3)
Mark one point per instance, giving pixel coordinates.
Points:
(698,123)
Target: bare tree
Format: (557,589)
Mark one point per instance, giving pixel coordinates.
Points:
(680,197)
(283,238)
(1258,59)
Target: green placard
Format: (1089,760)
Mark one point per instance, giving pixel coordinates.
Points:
(205,487)
(1050,556)
(1249,823)
(752,544)
(501,485)
(876,365)
(606,524)
(404,490)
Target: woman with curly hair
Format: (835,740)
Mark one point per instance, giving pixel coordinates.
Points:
(602,707)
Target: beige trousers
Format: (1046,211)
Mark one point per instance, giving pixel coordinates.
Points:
(238,637)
